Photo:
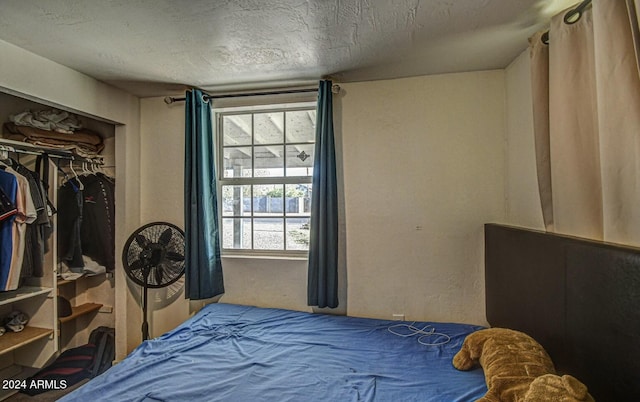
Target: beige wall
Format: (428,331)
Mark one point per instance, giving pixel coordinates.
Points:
(423,161)
(161,196)
(424,151)
(521,189)
(32,77)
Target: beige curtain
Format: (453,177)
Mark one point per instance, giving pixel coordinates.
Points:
(586,88)
(634,18)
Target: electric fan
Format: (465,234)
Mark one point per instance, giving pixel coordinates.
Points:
(153,257)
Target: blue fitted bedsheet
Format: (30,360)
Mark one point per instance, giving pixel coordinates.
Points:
(239,353)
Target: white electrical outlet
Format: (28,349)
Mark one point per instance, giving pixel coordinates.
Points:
(398,317)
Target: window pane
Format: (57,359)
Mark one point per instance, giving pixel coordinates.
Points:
(268,233)
(236,233)
(237,129)
(300,160)
(297,233)
(298,199)
(236,200)
(269,128)
(269,161)
(237,162)
(268,199)
(301,126)
(260,150)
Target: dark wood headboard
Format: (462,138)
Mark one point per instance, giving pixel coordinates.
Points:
(579,298)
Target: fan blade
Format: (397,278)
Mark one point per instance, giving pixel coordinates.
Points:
(173,256)
(165,237)
(142,241)
(159,274)
(136,265)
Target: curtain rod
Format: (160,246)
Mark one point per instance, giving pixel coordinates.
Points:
(170,99)
(570,17)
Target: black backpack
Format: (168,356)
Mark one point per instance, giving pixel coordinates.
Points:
(104,340)
(77,364)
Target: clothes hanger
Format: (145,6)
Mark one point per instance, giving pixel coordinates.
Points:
(85,169)
(80,185)
(94,167)
(4,156)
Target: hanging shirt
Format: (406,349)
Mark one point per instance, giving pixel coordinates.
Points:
(34,250)
(98,227)
(9,185)
(70,202)
(26,215)
(7,207)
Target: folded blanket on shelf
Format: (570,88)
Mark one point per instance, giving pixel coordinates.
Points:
(50,120)
(82,142)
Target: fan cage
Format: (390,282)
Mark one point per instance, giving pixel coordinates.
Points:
(171,265)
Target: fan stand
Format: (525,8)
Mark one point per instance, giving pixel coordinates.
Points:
(152,256)
(145,323)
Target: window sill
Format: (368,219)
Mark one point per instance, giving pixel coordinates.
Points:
(266,257)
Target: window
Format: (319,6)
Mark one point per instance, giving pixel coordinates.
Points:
(265,166)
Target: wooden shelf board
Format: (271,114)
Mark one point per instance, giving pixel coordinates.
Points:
(81,310)
(61,281)
(22,293)
(13,340)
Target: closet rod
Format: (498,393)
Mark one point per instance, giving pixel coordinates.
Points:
(170,99)
(7,148)
(571,17)
(25,148)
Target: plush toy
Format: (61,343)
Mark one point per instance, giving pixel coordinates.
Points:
(511,361)
(550,387)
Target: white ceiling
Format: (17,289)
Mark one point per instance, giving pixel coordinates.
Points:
(159,47)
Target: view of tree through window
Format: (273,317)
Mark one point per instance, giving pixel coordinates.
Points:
(266,165)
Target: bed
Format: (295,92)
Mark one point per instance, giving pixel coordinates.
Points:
(240,353)
(579,298)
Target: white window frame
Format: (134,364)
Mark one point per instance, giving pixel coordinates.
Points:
(218,114)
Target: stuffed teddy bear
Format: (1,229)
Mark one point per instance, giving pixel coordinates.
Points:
(511,361)
(550,387)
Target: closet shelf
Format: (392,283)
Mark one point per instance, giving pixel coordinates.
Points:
(62,282)
(22,293)
(81,310)
(13,340)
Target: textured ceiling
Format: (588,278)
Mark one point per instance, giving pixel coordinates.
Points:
(157,47)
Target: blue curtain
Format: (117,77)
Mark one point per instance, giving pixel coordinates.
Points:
(322,283)
(203,267)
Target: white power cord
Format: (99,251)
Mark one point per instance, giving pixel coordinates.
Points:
(425,332)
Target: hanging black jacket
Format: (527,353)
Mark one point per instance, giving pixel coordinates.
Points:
(70,202)
(98,213)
